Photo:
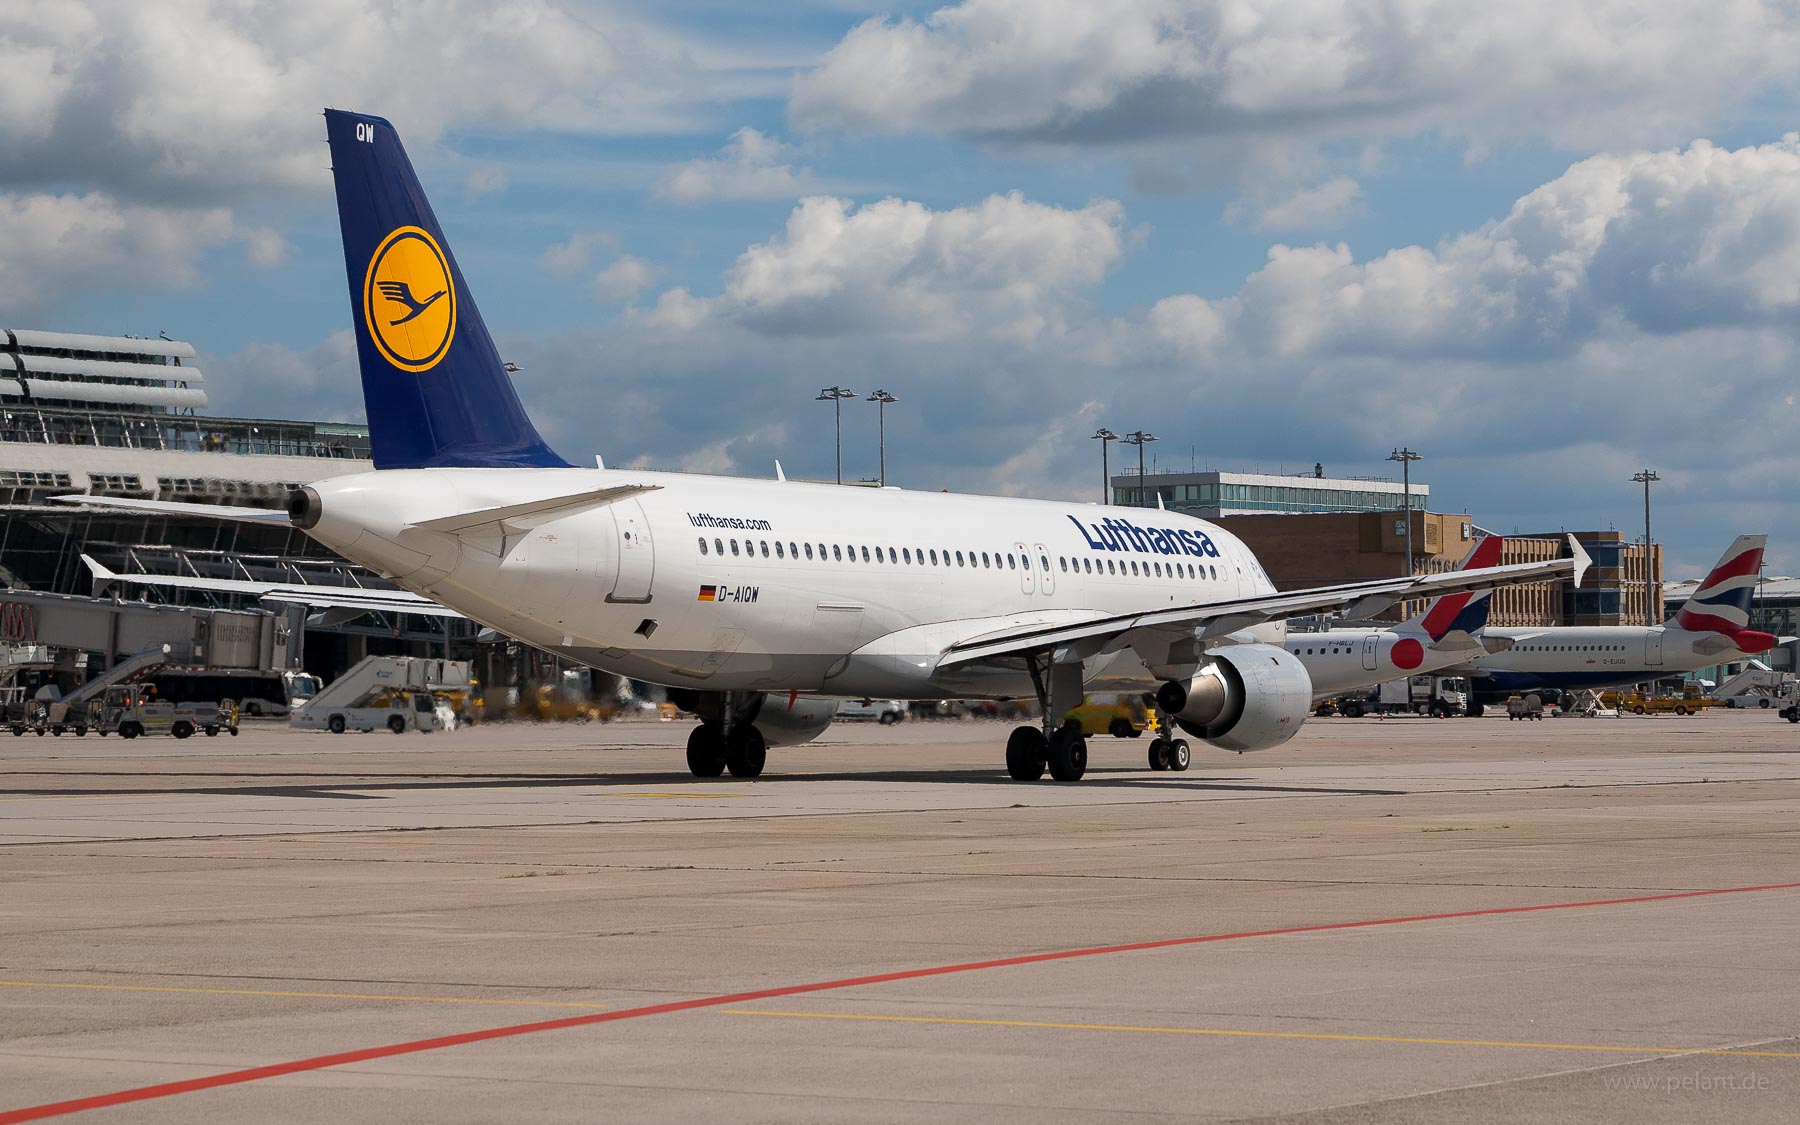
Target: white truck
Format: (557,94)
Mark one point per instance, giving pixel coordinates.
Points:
(1422,695)
(396,693)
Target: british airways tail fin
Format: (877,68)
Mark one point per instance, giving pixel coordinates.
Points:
(1467,612)
(1721,603)
(435,389)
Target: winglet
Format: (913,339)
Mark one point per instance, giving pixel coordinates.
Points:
(1582,561)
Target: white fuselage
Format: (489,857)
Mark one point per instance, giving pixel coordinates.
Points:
(723,583)
(1342,660)
(1598,656)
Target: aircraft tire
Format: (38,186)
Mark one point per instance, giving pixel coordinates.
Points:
(1068,754)
(705,755)
(746,752)
(1025,754)
(1159,755)
(1179,755)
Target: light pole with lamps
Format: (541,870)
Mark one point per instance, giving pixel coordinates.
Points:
(1140,439)
(1647,477)
(882,398)
(1406,457)
(1104,436)
(836,396)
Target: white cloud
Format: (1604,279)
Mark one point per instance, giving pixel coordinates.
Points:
(61,247)
(1306,208)
(274,381)
(1257,72)
(623,279)
(748,167)
(486,179)
(209,98)
(566,259)
(1001,267)
(1661,241)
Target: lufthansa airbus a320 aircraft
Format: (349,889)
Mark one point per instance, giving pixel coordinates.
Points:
(745,596)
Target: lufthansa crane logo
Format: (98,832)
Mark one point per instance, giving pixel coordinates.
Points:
(409,301)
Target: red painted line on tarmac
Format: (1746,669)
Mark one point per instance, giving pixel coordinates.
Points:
(368,1054)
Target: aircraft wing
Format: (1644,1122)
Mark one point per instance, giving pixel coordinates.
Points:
(1216,619)
(285,593)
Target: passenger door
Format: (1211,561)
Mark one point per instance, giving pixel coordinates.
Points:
(1026,566)
(1653,648)
(1370,651)
(1048,582)
(636,553)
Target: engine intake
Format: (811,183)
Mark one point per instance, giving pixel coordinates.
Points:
(1245,697)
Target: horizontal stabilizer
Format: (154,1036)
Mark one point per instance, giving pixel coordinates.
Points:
(177,508)
(529,513)
(355,598)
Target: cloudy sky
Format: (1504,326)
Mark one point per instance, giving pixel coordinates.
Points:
(1544,244)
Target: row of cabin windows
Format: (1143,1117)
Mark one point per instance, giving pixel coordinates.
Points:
(907,556)
(1522,648)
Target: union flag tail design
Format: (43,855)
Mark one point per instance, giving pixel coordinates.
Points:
(1722,603)
(1466,612)
(433,385)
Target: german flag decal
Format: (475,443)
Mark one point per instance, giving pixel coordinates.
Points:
(709,593)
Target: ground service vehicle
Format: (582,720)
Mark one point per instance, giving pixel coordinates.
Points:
(887,712)
(1125,717)
(384,692)
(131,711)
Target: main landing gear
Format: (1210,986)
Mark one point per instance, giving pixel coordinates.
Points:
(1061,749)
(711,751)
(719,745)
(1169,754)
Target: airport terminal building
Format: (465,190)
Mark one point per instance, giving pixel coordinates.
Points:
(122,417)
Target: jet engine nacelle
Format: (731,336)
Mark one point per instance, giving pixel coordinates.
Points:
(789,724)
(1245,697)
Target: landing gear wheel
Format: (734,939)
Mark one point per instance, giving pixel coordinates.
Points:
(1025,753)
(706,752)
(1068,754)
(1178,755)
(746,751)
(1159,754)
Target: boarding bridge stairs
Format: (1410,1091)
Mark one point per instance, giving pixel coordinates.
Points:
(126,671)
(1756,678)
(373,674)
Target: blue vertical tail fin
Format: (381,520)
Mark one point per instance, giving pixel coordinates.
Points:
(434,387)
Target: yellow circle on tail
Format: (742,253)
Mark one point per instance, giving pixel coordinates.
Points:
(409,301)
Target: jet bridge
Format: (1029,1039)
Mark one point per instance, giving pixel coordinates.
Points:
(212,638)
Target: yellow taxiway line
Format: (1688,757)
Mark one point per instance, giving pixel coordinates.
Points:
(1236,1033)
